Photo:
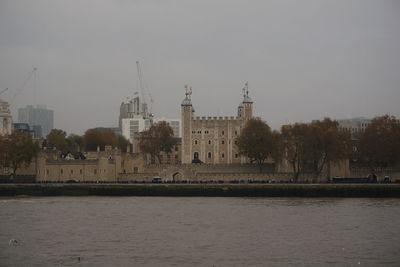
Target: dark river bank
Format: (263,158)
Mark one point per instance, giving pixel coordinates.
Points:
(206,190)
(198,231)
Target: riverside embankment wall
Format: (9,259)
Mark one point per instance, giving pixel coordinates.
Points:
(246,190)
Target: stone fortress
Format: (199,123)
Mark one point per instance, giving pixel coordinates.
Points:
(212,140)
(207,151)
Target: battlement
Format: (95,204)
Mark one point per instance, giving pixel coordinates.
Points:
(220,118)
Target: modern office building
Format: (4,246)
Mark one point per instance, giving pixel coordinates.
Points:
(354,125)
(134,108)
(174,123)
(135,117)
(37,116)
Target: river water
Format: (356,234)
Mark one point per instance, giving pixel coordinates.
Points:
(199,231)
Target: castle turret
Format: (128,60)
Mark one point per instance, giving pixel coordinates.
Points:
(187,117)
(245,109)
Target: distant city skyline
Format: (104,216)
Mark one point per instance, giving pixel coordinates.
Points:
(303,60)
(35,116)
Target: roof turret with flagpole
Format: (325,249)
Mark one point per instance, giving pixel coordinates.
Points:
(246,98)
(187,101)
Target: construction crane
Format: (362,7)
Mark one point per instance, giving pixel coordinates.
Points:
(25,81)
(144,89)
(3,91)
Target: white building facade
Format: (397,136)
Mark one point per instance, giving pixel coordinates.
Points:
(132,126)
(354,125)
(5,118)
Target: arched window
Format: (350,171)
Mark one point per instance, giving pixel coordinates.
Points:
(196,142)
(5,125)
(209,142)
(196,155)
(209,155)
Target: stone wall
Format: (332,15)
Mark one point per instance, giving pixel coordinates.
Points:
(393,173)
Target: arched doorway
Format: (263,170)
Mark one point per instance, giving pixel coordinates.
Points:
(196,155)
(177,176)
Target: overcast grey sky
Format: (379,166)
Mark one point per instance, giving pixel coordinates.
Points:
(303,59)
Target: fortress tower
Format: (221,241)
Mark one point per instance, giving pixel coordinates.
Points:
(213,140)
(187,113)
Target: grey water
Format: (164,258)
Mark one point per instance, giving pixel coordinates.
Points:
(199,231)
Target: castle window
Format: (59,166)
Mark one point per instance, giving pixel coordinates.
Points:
(209,142)
(235,132)
(193,132)
(222,155)
(206,132)
(223,142)
(80,171)
(62,171)
(72,171)
(236,155)
(196,142)
(47,171)
(209,155)
(222,132)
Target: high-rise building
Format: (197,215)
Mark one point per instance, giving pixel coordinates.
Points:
(38,115)
(134,108)
(135,117)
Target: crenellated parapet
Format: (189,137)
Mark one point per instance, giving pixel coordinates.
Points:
(213,139)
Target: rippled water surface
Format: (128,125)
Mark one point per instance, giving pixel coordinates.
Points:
(159,231)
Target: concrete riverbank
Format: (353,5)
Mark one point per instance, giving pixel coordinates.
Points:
(217,190)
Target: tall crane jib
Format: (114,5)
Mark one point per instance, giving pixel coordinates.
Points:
(2,91)
(144,91)
(24,82)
